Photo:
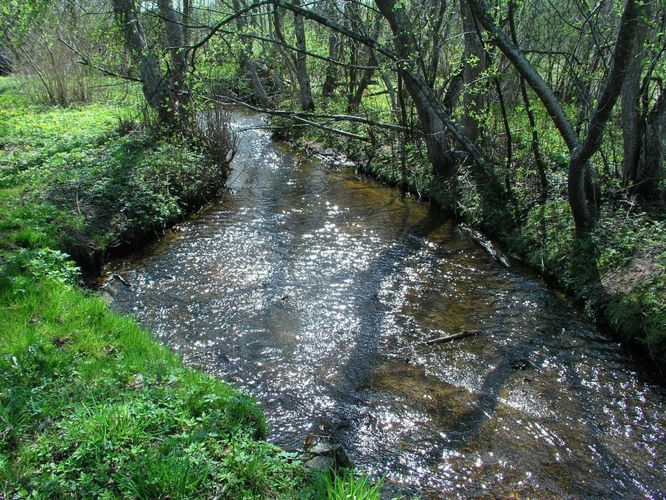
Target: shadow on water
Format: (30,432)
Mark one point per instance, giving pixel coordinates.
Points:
(316,291)
(357,370)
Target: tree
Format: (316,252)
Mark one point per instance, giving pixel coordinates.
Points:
(247,59)
(155,84)
(434,128)
(580,151)
(307,103)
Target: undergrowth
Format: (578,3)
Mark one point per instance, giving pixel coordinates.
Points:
(89,181)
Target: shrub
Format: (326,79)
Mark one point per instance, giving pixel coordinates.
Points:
(215,136)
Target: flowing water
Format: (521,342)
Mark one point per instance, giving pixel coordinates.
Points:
(316,290)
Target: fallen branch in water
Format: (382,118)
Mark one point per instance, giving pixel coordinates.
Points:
(487,245)
(455,336)
(121,279)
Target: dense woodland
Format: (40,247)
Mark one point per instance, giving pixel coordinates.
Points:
(466,82)
(540,122)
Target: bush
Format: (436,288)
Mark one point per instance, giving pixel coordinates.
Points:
(37,264)
(215,136)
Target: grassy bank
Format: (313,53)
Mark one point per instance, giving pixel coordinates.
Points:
(90,404)
(629,241)
(90,179)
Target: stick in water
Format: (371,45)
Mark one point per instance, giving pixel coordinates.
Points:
(455,336)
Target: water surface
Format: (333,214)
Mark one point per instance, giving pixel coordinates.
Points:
(315,290)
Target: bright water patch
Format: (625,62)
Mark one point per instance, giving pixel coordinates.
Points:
(314,289)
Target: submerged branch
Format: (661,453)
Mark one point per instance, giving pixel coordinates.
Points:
(455,336)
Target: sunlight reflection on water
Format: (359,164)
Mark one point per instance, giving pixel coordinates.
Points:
(314,289)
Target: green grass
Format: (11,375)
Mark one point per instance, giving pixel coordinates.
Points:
(85,179)
(345,486)
(90,405)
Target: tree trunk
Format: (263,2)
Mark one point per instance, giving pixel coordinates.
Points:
(173,29)
(474,63)
(653,153)
(247,61)
(436,42)
(286,57)
(580,153)
(331,81)
(366,78)
(541,166)
(5,63)
(434,128)
(578,170)
(631,116)
(642,129)
(187,21)
(155,85)
(392,97)
(307,104)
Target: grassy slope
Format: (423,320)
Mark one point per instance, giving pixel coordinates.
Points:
(87,184)
(89,404)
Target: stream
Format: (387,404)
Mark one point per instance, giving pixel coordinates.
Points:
(316,290)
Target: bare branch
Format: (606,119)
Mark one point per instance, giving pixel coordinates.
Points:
(86,62)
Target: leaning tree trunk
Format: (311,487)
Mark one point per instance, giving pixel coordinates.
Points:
(579,152)
(434,128)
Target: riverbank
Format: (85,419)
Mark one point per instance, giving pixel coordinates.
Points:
(630,242)
(90,403)
(340,293)
(91,179)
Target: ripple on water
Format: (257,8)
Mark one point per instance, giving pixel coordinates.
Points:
(315,290)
